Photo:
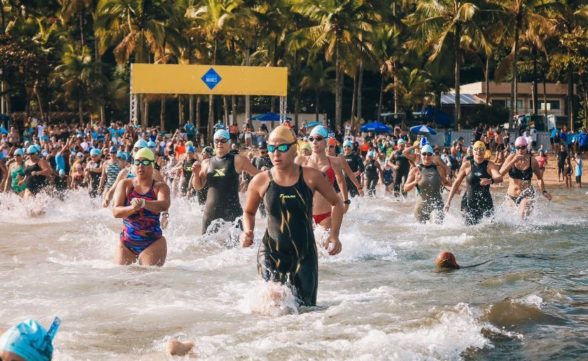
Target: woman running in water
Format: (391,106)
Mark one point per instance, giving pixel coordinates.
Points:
(17,174)
(353,184)
(288,251)
(429,179)
(110,172)
(139,201)
(520,167)
(221,174)
(479,173)
(332,170)
(36,172)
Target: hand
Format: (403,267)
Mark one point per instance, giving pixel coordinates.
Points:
(346,207)
(336,245)
(547,195)
(164,220)
(418,176)
(137,203)
(361,192)
(105,202)
(33,173)
(246,239)
(485,181)
(446,208)
(196,167)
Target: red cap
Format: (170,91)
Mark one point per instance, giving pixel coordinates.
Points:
(446,260)
(332,141)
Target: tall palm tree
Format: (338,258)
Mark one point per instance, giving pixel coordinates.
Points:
(76,8)
(444,25)
(316,77)
(341,26)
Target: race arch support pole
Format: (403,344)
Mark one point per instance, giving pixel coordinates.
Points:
(133,118)
(283,108)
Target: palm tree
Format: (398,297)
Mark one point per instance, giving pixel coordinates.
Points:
(76,8)
(316,78)
(444,25)
(413,86)
(341,27)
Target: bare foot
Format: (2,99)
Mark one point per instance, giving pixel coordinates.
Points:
(178,348)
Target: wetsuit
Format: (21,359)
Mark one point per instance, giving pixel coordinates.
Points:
(36,183)
(141,229)
(222,200)
(429,198)
(288,250)
(401,173)
(94,178)
(259,163)
(16,174)
(186,175)
(371,174)
(523,175)
(355,163)
(477,200)
(387,175)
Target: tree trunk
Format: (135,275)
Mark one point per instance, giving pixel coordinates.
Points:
(191,109)
(338,87)
(457,76)
(381,99)
(80,111)
(359,91)
(162,114)
(39,99)
(514,84)
(488,97)
(317,100)
(545,95)
(198,119)
(81,19)
(572,111)
(534,92)
(210,116)
(181,111)
(354,97)
(296,110)
(226,111)
(234,108)
(145,120)
(247,97)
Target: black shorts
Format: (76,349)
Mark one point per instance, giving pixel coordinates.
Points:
(578,179)
(553,141)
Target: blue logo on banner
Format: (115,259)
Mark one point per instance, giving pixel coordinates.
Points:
(211,78)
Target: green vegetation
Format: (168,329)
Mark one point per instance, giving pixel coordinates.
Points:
(374,56)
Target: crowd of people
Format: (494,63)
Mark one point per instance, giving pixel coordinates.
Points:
(297,178)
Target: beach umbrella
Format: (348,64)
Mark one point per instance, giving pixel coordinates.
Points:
(312,124)
(375,127)
(268,117)
(423,129)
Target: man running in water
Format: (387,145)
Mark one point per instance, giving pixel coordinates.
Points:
(139,201)
(401,166)
(353,185)
(520,167)
(288,251)
(221,174)
(479,173)
(356,166)
(429,179)
(94,172)
(332,170)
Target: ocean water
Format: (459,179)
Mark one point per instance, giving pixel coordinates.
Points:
(380,299)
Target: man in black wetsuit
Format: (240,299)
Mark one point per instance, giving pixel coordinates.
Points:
(288,252)
(357,167)
(262,162)
(401,167)
(221,174)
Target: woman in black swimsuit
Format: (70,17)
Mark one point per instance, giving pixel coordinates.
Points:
(288,250)
(520,168)
(36,172)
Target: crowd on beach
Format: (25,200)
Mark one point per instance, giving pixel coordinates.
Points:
(297,178)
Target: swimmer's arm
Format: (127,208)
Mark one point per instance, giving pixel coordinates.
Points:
(102,178)
(243,164)
(320,184)
(408,155)
(121,175)
(199,175)
(540,182)
(120,210)
(493,170)
(45,169)
(508,163)
(349,172)
(251,205)
(163,200)
(456,184)
(411,181)
(341,181)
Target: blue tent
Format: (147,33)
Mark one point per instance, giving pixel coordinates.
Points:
(375,127)
(312,124)
(423,129)
(267,117)
(440,118)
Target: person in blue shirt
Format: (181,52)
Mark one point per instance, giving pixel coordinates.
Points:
(583,141)
(554,139)
(190,131)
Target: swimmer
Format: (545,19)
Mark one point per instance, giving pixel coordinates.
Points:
(207,153)
(110,171)
(28,341)
(288,250)
(355,166)
(139,201)
(429,180)
(17,174)
(93,172)
(446,260)
(479,173)
(179,348)
(332,170)
(401,165)
(520,167)
(37,170)
(221,174)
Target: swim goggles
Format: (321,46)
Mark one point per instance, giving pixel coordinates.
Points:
(144,162)
(282,148)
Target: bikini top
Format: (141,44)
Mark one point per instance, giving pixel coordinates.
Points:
(525,174)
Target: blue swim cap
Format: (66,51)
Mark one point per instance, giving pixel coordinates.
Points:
(122,155)
(348,143)
(222,133)
(140,144)
(320,130)
(95,151)
(427,149)
(18,152)
(151,144)
(32,150)
(190,149)
(29,340)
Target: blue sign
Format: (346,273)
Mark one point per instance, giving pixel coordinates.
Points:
(211,78)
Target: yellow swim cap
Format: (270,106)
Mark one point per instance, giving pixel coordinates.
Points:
(479,144)
(145,153)
(283,132)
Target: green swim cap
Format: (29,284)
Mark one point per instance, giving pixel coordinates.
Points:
(145,153)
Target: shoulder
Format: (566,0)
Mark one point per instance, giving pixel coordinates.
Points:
(260,181)
(159,185)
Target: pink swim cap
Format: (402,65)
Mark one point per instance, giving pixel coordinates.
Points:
(521,142)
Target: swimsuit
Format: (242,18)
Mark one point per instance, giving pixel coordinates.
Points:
(288,250)
(111,173)
(524,175)
(141,229)
(330,174)
(429,198)
(15,174)
(477,200)
(36,183)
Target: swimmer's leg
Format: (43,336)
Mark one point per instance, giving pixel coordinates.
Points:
(155,254)
(305,281)
(124,256)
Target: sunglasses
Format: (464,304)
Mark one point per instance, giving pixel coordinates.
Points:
(427,154)
(522,147)
(318,138)
(282,148)
(221,140)
(347,146)
(144,162)
(479,149)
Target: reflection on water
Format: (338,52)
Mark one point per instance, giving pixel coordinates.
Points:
(380,299)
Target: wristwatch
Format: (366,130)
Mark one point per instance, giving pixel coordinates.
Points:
(347,201)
